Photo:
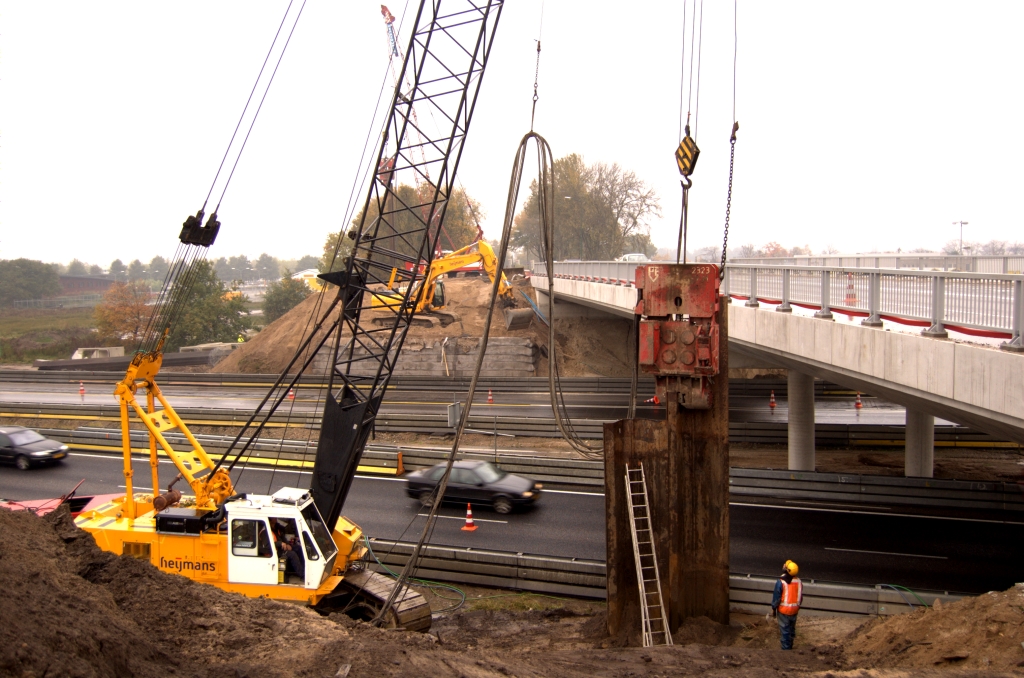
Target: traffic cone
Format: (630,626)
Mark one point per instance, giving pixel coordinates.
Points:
(291,394)
(857,404)
(851,294)
(771,401)
(81,390)
(470,526)
(490,397)
(653,400)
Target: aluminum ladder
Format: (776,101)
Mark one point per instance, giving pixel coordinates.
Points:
(652,608)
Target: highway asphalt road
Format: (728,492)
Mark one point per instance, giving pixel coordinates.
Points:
(595,406)
(832,545)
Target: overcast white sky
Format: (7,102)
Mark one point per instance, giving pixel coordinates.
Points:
(863,125)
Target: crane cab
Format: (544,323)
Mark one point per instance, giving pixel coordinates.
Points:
(256,555)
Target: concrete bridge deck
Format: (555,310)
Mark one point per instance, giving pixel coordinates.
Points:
(969,383)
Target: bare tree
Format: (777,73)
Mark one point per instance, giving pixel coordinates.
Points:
(710,254)
(994,247)
(632,201)
(748,250)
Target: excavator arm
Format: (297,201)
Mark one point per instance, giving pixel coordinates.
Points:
(424,292)
(479,251)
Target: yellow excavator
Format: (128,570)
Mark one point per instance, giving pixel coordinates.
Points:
(429,295)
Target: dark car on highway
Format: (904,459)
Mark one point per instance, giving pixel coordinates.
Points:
(26,448)
(474,482)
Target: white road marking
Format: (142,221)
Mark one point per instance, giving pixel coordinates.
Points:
(828,503)
(585,494)
(876,513)
(475,520)
(888,553)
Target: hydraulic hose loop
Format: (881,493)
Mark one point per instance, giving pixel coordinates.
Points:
(513,197)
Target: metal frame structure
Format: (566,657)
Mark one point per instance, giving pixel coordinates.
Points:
(396,238)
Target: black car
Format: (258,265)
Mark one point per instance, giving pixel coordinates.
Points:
(26,448)
(474,482)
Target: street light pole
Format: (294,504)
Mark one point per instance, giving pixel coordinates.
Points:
(962,224)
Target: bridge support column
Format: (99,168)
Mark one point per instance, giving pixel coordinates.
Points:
(920,452)
(801,421)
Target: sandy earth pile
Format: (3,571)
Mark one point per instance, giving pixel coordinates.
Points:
(586,346)
(985,632)
(73,610)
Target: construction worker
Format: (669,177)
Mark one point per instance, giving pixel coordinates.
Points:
(786,600)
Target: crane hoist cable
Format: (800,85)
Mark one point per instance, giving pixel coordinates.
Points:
(732,140)
(196,238)
(687,151)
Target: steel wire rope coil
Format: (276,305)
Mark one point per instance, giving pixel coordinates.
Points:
(439,491)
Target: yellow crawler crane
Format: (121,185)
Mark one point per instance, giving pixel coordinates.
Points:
(228,539)
(294,544)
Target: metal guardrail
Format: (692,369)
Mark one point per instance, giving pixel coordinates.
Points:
(979,304)
(943,262)
(400,382)
(745,485)
(848,488)
(587,578)
(764,432)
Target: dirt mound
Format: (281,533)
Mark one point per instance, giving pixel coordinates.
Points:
(74,610)
(270,351)
(586,346)
(704,631)
(985,632)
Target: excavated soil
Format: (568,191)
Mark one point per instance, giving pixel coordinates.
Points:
(73,610)
(586,347)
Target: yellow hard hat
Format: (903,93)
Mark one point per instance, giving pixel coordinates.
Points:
(790,567)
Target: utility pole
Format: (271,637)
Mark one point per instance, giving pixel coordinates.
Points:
(962,224)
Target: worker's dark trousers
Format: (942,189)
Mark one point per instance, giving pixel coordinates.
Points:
(787,629)
(298,566)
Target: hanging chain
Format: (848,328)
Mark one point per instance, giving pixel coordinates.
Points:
(536,77)
(728,198)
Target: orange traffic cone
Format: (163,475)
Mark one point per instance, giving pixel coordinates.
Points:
(653,400)
(857,403)
(771,400)
(291,394)
(851,294)
(490,397)
(81,390)
(470,526)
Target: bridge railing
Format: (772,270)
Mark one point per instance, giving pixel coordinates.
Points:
(1008,264)
(979,304)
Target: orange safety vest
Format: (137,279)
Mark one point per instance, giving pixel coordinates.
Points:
(792,596)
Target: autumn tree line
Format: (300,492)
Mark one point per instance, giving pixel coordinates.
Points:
(601,211)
